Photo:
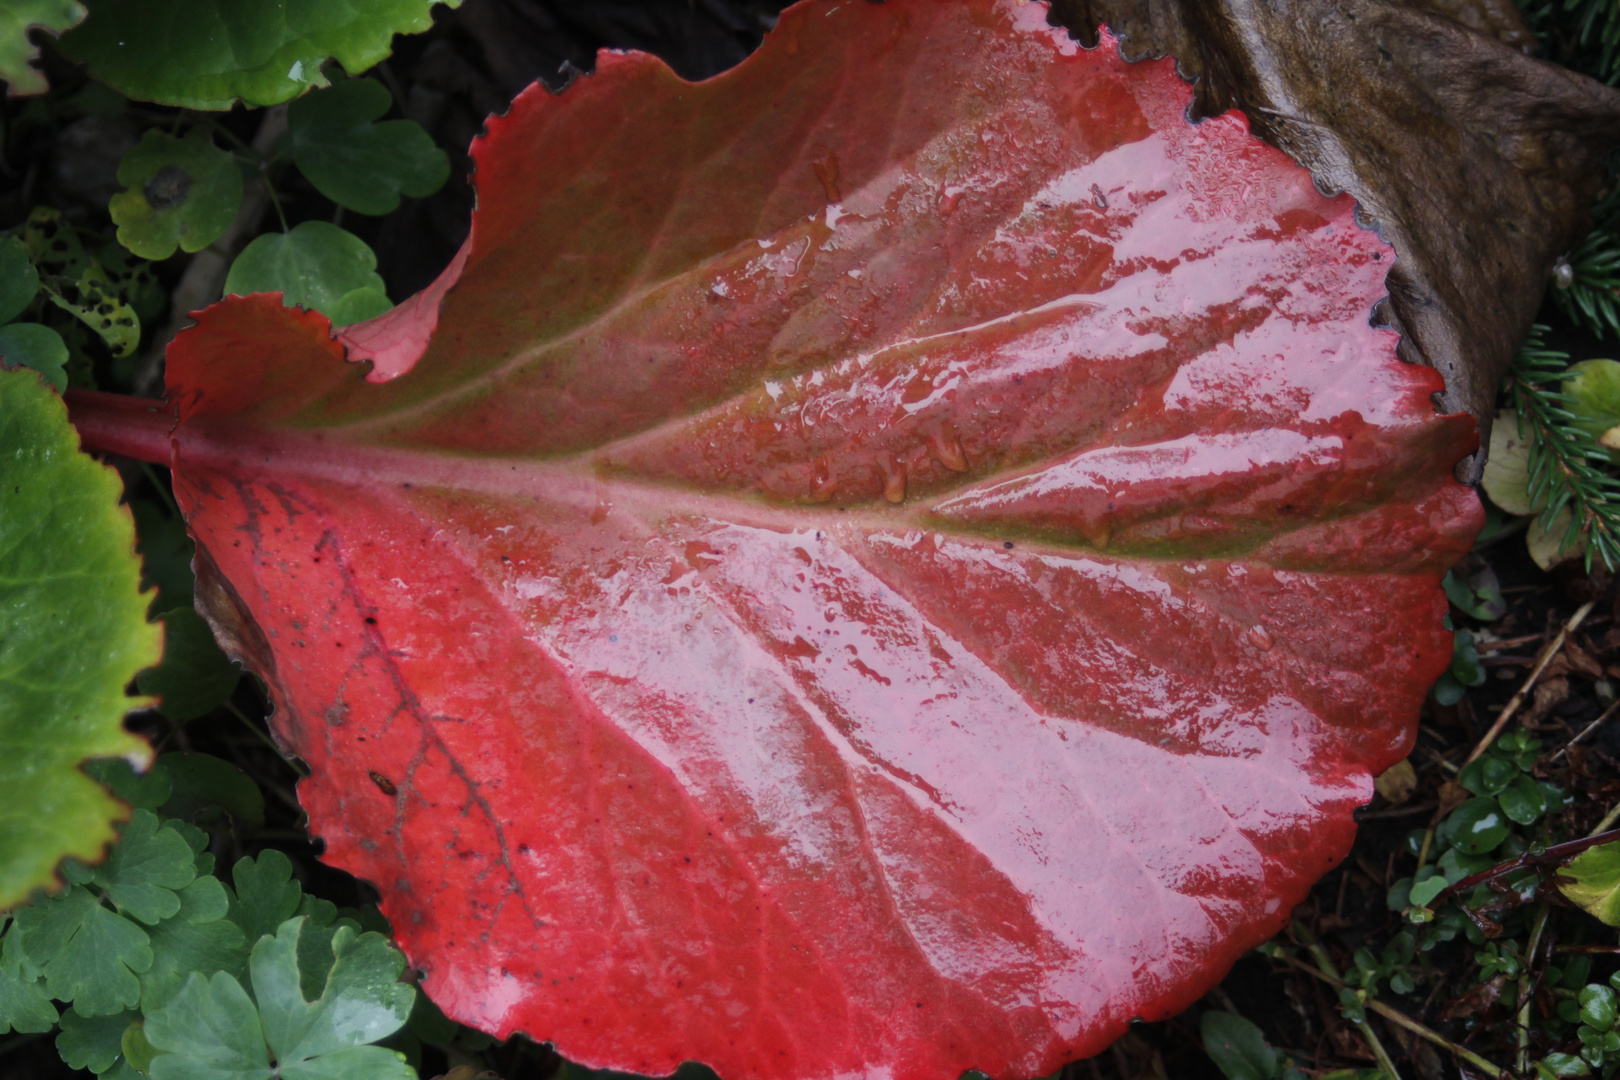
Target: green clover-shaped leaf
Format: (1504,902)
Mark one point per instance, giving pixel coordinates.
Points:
(24,1005)
(316,265)
(178,193)
(351,158)
(198,938)
(146,869)
(92,1042)
(212,1028)
(89,954)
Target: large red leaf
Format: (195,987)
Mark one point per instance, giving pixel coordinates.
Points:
(899,558)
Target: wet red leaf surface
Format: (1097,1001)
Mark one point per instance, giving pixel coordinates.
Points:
(899,558)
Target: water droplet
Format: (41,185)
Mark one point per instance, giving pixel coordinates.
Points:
(1563,274)
(1098,197)
(947,450)
(1260,638)
(894,478)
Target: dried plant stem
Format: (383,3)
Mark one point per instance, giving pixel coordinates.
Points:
(1395,1016)
(1587,730)
(1607,823)
(1527,983)
(1542,661)
(1325,963)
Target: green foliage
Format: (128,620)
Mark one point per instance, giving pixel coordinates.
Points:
(17,17)
(1584,284)
(351,158)
(1240,1051)
(1593,882)
(26,344)
(317,266)
(132,946)
(207,54)
(194,677)
(78,284)
(1566,469)
(213,1028)
(76,634)
(178,193)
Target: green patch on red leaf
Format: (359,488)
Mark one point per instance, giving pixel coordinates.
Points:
(898,558)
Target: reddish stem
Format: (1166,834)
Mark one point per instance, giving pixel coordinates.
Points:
(140,428)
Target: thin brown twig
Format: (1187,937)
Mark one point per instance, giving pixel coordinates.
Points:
(1545,658)
(1395,1016)
(1587,730)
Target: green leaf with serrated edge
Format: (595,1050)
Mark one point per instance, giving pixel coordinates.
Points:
(1592,390)
(205,54)
(75,634)
(266,895)
(318,266)
(353,159)
(1591,881)
(205,785)
(89,955)
(198,938)
(1237,1047)
(195,677)
(146,869)
(362,999)
(38,348)
(178,193)
(208,1031)
(17,18)
(1507,470)
(143,791)
(92,1042)
(165,552)
(19,281)
(24,1005)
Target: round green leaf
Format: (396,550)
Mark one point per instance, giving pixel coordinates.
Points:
(17,17)
(1522,800)
(73,632)
(194,677)
(205,54)
(1593,394)
(355,161)
(19,281)
(179,193)
(317,266)
(39,348)
(1598,1007)
(1476,826)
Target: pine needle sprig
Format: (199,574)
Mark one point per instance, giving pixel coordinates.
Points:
(1586,285)
(1580,34)
(1567,469)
